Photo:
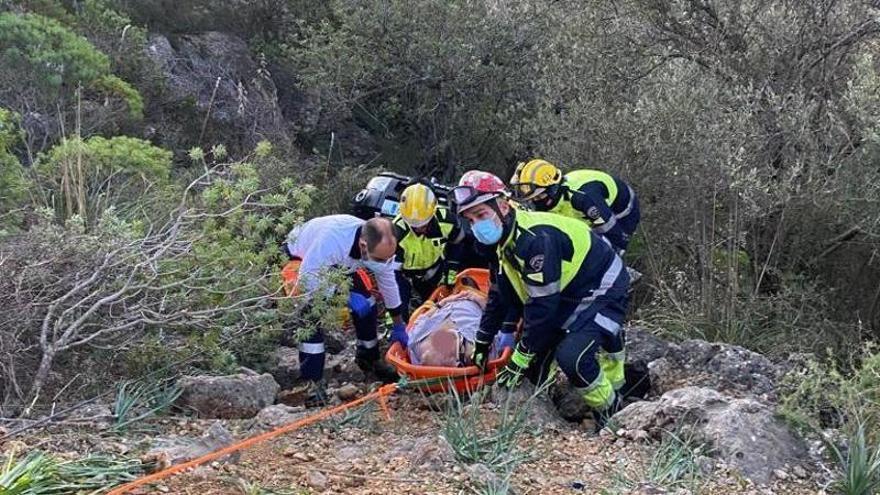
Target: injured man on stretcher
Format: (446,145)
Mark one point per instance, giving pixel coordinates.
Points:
(444,334)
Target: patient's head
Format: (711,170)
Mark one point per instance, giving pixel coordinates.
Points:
(441,348)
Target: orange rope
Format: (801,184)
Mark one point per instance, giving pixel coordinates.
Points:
(380,394)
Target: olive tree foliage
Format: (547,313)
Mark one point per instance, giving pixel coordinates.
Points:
(210,264)
(446,84)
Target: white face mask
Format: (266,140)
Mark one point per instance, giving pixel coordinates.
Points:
(378,266)
(375,266)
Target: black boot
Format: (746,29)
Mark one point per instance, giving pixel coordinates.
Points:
(369,362)
(316,394)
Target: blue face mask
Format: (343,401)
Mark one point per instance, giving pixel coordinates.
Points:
(487,231)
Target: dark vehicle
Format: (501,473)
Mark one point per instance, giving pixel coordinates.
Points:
(381,196)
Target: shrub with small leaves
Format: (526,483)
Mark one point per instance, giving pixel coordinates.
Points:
(40,53)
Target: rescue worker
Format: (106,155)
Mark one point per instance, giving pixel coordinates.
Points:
(603,201)
(428,244)
(349,243)
(567,283)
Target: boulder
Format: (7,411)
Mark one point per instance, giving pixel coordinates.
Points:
(735,366)
(743,432)
(213,75)
(174,450)
(642,347)
(664,375)
(229,397)
(286,369)
(696,362)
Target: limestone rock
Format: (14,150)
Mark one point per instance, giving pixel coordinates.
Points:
(228,397)
(286,369)
(743,432)
(214,74)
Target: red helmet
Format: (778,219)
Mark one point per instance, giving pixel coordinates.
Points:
(476,187)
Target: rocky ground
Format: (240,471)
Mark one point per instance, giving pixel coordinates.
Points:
(720,397)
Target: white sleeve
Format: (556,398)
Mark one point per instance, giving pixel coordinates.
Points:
(388,288)
(310,275)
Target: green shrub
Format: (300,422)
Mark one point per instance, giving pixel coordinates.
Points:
(14,185)
(43,59)
(38,473)
(841,392)
(858,461)
(86,177)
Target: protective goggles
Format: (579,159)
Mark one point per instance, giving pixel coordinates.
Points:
(467,196)
(525,191)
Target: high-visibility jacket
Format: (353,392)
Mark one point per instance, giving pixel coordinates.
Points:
(422,252)
(599,199)
(550,268)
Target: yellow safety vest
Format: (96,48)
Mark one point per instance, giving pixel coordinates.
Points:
(526,220)
(421,252)
(574,180)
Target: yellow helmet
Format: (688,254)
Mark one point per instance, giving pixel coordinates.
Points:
(533,178)
(417,205)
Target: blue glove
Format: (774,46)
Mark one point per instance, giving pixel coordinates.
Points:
(505,340)
(359,304)
(398,334)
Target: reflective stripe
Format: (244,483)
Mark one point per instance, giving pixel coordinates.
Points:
(607,282)
(431,272)
(607,323)
(367,344)
(629,206)
(311,348)
(543,290)
(594,385)
(605,227)
(577,367)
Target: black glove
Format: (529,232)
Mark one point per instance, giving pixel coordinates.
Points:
(480,357)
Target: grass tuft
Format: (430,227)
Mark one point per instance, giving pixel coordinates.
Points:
(148,399)
(489,439)
(859,462)
(674,465)
(41,474)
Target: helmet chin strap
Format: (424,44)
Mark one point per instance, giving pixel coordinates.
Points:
(506,220)
(554,194)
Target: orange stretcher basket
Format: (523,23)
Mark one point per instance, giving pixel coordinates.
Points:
(463,379)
